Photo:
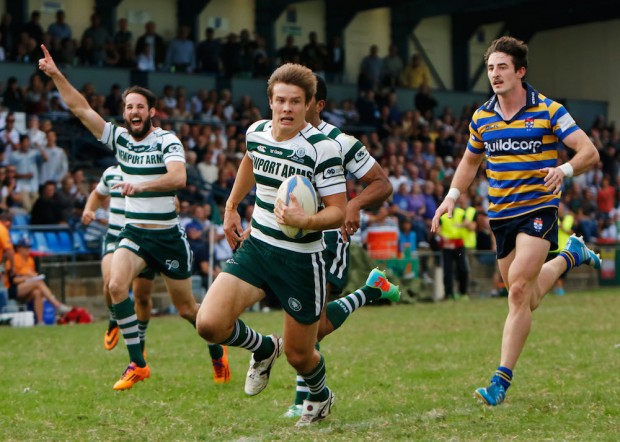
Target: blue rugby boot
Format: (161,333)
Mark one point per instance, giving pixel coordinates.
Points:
(493,395)
(578,253)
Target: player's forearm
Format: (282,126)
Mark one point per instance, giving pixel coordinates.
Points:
(330,217)
(376,192)
(75,101)
(585,159)
(169,181)
(93,202)
(466,172)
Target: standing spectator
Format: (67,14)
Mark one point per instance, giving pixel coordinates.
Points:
(156,43)
(453,251)
(334,61)
(95,38)
(57,164)
(9,35)
(605,199)
(33,27)
(313,55)
(47,208)
(231,55)
(246,55)
(261,63)
(392,68)
(9,138)
(416,73)
(27,162)
(208,53)
(13,98)
(145,61)
(181,54)
(123,35)
(60,30)
(370,71)
(289,53)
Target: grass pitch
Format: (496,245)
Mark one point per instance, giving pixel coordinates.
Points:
(402,372)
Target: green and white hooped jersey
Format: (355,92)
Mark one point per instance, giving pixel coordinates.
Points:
(110,177)
(355,157)
(143,161)
(309,153)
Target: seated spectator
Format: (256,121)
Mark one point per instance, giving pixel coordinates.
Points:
(26,285)
(47,209)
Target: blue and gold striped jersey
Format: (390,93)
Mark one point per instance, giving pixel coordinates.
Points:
(516,150)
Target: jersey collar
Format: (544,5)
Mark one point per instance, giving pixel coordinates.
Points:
(531,99)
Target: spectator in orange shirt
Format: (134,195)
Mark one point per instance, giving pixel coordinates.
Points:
(25,284)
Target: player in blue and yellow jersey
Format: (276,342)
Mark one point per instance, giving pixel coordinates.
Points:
(519,131)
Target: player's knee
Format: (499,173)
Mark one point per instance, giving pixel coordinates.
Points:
(189,312)
(298,359)
(208,329)
(116,289)
(520,291)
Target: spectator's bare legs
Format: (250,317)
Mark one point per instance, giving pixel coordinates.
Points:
(528,279)
(37,291)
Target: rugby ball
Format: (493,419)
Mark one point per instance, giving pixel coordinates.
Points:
(302,188)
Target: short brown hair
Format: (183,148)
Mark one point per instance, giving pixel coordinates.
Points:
(517,50)
(295,74)
(151,98)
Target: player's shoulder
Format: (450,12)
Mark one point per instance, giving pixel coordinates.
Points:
(112,170)
(259,126)
(313,135)
(165,135)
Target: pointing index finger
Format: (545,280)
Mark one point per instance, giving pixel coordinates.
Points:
(45,51)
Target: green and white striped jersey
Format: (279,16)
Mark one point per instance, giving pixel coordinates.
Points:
(309,153)
(142,161)
(110,177)
(355,157)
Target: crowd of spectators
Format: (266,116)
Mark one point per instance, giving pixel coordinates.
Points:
(419,147)
(235,55)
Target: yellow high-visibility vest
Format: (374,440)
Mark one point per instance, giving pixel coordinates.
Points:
(469,236)
(448,228)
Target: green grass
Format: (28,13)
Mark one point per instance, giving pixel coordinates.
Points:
(400,373)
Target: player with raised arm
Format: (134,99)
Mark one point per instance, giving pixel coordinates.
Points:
(519,131)
(268,261)
(359,163)
(153,165)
